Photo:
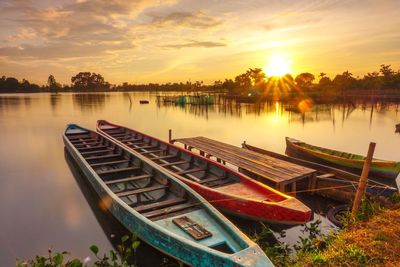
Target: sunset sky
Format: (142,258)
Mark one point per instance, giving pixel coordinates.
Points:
(158,41)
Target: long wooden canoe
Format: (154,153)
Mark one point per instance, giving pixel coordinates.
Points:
(225,188)
(350,162)
(160,209)
(332,182)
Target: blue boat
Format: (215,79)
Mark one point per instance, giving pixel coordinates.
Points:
(160,209)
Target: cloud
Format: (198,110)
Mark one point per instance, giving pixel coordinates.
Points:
(194,43)
(77,29)
(198,20)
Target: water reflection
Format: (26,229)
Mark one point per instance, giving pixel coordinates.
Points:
(316,113)
(90,102)
(55,100)
(113,229)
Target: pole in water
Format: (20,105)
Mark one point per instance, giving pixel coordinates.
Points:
(363,179)
(170,136)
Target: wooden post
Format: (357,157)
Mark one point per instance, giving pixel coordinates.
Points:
(363,179)
(170,136)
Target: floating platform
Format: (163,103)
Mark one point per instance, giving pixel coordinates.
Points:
(278,172)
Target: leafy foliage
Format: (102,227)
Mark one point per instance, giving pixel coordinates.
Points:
(125,254)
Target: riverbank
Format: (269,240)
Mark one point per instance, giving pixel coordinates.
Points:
(375,242)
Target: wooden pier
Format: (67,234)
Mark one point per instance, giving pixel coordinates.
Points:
(278,172)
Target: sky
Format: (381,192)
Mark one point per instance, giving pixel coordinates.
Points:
(143,41)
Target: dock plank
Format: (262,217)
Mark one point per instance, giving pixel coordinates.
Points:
(265,166)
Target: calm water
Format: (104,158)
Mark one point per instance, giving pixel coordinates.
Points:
(41,200)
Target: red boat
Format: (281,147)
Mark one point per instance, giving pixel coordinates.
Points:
(224,188)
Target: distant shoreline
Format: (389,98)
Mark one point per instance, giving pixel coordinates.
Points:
(349,96)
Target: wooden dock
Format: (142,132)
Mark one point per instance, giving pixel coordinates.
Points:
(279,172)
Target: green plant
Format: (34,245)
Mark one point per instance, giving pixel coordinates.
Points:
(318,259)
(367,209)
(313,238)
(278,252)
(395,198)
(357,254)
(111,260)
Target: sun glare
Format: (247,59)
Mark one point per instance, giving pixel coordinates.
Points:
(278,65)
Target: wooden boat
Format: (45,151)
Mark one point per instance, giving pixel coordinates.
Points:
(160,209)
(144,101)
(351,162)
(331,182)
(225,188)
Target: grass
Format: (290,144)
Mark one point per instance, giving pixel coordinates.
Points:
(370,239)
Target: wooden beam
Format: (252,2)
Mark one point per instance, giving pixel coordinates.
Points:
(118,170)
(141,190)
(129,179)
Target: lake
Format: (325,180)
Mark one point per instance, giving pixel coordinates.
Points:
(42,202)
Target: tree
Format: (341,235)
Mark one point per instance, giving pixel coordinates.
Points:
(256,75)
(304,80)
(88,80)
(386,71)
(243,82)
(52,84)
(344,81)
(324,81)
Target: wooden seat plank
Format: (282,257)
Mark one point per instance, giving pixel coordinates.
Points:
(144,147)
(118,170)
(89,148)
(152,151)
(109,163)
(155,213)
(164,157)
(190,171)
(174,163)
(104,157)
(129,179)
(95,152)
(160,204)
(141,190)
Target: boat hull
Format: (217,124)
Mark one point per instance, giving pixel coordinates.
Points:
(378,169)
(342,186)
(173,246)
(290,211)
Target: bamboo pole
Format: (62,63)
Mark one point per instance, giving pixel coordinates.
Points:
(363,179)
(170,136)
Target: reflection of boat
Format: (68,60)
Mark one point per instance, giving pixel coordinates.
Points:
(225,188)
(159,208)
(112,228)
(331,182)
(352,162)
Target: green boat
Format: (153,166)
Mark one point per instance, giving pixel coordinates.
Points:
(160,209)
(354,163)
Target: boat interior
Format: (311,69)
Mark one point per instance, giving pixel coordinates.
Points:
(131,180)
(173,159)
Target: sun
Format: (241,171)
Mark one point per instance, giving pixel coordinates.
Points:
(278,65)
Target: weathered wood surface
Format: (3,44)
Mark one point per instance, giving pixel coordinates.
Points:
(273,169)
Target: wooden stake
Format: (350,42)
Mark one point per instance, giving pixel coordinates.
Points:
(170,136)
(363,179)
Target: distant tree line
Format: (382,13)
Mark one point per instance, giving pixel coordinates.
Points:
(250,83)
